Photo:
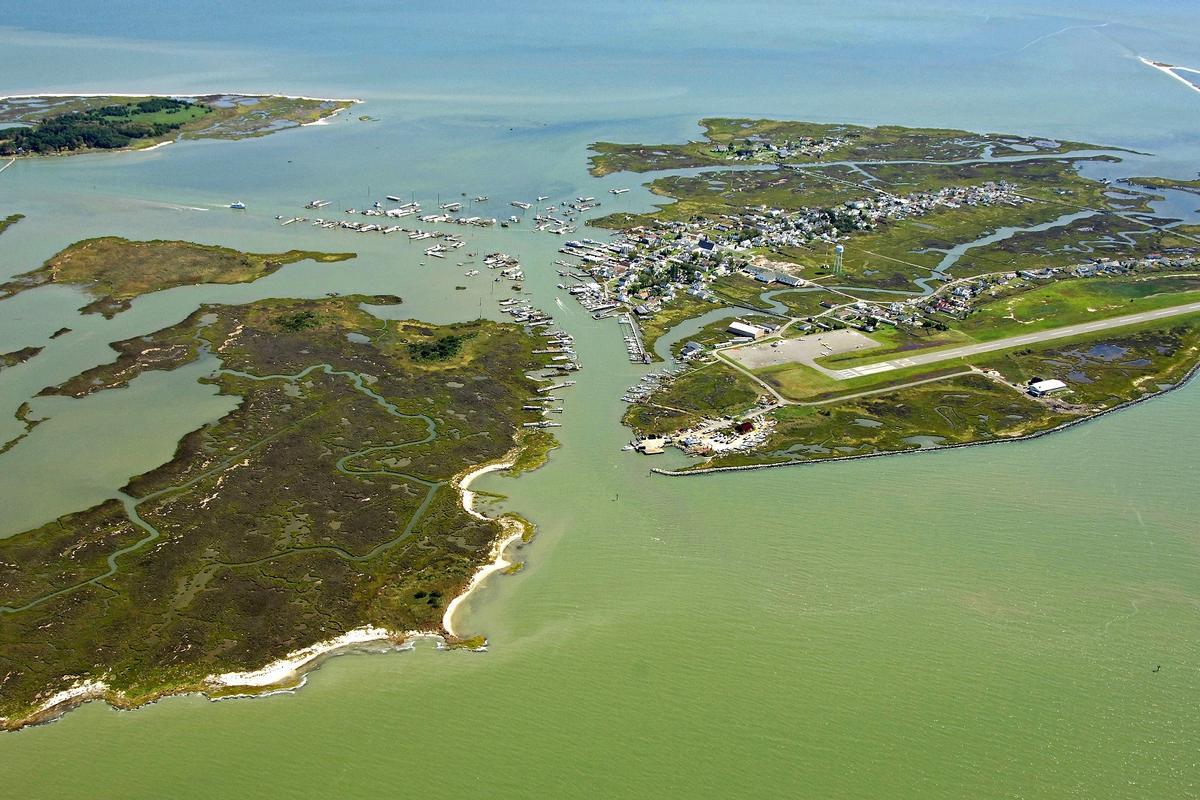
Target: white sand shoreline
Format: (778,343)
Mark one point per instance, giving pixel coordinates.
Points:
(155,146)
(291,666)
(1169,69)
(515,532)
(284,675)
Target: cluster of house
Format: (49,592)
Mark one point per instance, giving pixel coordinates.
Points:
(674,257)
(648,267)
(757,147)
(886,207)
(645,268)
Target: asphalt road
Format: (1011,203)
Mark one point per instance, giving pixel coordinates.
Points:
(934,357)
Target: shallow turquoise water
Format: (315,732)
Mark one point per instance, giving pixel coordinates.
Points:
(979,623)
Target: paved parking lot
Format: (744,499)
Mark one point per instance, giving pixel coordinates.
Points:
(803,349)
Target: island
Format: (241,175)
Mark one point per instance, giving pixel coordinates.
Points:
(328,509)
(67,124)
(872,291)
(1178,184)
(20,356)
(115,271)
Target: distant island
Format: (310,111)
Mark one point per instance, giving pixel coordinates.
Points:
(328,509)
(54,124)
(887,289)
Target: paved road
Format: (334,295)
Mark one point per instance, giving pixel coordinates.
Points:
(1015,341)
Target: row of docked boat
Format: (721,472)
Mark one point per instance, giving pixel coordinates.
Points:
(633,340)
(650,383)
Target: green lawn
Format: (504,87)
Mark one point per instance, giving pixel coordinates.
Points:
(892,341)
(1066,302)
(799,382)
(682,308)
(713,390)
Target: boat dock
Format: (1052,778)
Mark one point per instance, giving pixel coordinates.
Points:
(633,340)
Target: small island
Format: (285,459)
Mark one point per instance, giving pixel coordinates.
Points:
(1177,184)
(53,124)
(15,357)
(329,508)
(9,221)
(871,291)
(115,271)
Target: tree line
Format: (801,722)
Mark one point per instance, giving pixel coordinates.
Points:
(104,128)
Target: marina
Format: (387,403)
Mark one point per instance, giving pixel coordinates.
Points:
(633,340)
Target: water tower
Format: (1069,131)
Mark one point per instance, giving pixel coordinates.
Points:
(837,259)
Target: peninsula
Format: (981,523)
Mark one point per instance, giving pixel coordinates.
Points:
(327,509)
(867,291)
(115,271)
(67,124)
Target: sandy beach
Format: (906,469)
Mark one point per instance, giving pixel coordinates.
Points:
(513,532)
(291,667)
(1169,69)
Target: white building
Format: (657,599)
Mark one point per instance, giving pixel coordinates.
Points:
(742,329)
(1043,388)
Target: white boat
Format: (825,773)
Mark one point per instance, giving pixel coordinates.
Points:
(238,205)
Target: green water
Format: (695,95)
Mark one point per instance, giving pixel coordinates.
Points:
(980,623)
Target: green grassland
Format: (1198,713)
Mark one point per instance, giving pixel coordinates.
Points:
(683,307)
(322,503)
(713,390)
(807,302)
(115,270)
(239,118)
(740,290)
(1031,307)
(713,194)
(1102,370)
(802,383)
(890,256)
(1066,302)
(535,451)
(716,332)
(1109,370)
(1100,236)
(892,341)
(969,408)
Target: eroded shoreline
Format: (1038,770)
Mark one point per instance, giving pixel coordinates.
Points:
(289,673)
